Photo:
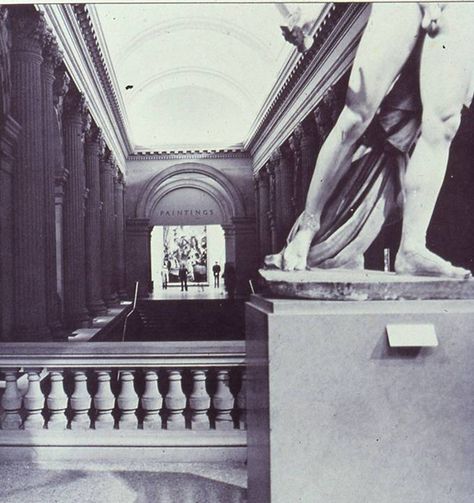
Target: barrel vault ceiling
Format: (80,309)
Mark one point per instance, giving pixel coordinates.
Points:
(192,75)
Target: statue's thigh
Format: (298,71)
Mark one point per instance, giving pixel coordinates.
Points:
(447,62)
(389,38)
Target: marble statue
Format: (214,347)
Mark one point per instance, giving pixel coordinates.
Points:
(412,74)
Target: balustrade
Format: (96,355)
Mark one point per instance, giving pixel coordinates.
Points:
(128,386)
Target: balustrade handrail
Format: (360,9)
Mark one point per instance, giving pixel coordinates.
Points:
(96,355)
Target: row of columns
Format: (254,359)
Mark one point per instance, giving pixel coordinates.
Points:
(282,183)
(65,245)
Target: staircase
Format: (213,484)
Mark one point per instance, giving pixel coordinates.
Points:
(189,320)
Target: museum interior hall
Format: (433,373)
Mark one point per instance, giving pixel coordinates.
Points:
(151,156)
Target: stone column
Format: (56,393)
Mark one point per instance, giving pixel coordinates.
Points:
(61,174)
(246,252)
(76,314)
(138,255)
(256,190)
(272,206)
(52,58)
(107,173)
(28,30)
(9,131)
(264,207)
(308,150)
(120,236)
(283,208)
(94,301)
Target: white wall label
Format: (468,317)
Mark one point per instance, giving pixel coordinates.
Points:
(404,335)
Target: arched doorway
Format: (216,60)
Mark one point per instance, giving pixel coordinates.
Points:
(191,195)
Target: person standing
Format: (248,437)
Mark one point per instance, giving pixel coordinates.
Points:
(216,270)
(229,279)
(183,277)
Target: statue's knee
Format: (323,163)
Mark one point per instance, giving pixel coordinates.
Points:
(353,124)
(437,128)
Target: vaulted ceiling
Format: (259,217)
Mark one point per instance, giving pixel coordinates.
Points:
(193,74)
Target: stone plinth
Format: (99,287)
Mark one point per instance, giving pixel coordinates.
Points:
(336,415)
(343,285)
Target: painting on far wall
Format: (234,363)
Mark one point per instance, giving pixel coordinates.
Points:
(186,244)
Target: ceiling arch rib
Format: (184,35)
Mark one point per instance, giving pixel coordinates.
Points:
(199,76)
(205,24)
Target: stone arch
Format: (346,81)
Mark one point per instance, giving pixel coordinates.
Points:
(192,175)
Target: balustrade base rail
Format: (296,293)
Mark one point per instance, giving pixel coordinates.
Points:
(176,401)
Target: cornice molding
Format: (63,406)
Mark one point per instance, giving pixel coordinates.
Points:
(307,81)
(189,154)
(83,67)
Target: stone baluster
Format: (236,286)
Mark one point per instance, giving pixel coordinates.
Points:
(175,402)
(95,303)
(33,402)
(76,313)
(151,401)
(11,402)
(57,402)
(28,30)
(223,402)
(80,402)
(199,401)
(52,58)
(119,246)
(241,401)
(104,401)
(107,173)
(127,402)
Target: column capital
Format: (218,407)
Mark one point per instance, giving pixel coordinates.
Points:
(325,114)
(93,135)
(75,104)
(52,54)
(28,28)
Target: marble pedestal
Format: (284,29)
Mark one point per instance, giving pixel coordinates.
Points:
(337,416)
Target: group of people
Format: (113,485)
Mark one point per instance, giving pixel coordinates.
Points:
(228,276)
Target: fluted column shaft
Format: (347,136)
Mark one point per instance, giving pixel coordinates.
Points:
(308,145)
(120,237)
(51,59)
(29,202)
(107,173)
(272,206)
(94,300)
(264,207)
(61,174)
(76,314)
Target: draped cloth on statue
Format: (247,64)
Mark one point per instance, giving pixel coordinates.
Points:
(368,195)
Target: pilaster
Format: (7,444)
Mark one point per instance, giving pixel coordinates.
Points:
(138,255)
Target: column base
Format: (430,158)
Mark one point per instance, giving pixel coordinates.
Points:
(31,334)
(79,320)
(112,301)
(97,308)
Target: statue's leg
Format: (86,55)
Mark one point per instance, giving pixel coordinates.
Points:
(388,40)
(445,73)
